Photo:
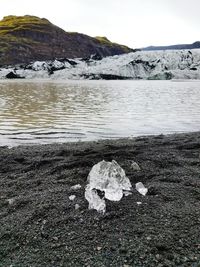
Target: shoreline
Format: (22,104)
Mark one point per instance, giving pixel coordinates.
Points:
(41,227)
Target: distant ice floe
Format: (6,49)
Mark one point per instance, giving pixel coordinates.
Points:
(153,65)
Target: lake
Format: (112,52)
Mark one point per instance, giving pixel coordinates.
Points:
(45,111)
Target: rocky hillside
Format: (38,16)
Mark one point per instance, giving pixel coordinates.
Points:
(29,38)
(194,45)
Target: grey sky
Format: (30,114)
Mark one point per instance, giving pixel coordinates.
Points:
(135,23)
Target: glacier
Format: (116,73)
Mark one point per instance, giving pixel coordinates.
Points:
(153,65)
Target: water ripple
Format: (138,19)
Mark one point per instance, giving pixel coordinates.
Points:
(33,112)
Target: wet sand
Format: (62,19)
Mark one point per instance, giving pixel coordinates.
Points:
(41,227)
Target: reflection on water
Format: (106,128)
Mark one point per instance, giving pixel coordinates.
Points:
(45,112)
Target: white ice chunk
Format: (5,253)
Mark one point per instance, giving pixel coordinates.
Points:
(72,197)
(77,206)
(109,178)
(135,166)
(95,202)
(127,193)
(141,188)
(11,201)
(76,187)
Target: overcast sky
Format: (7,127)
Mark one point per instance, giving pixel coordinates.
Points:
(136,23)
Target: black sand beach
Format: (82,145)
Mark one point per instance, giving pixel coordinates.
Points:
(39,225)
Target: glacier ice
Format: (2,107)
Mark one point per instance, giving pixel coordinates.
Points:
(95,202)
(156,65)
(107,177)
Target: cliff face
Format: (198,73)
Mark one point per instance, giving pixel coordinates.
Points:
(28,38)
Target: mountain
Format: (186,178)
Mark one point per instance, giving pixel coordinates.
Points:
(153,65)
(29,38)
(195,45)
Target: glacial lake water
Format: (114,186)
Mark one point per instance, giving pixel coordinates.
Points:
(64,111)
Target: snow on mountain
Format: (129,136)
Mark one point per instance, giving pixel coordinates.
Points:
(172,64)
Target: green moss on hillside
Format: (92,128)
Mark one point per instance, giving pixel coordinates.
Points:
(125,48)
(16,21)
(103,40)
(13,25)
(29,38)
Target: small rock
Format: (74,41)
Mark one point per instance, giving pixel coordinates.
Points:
(139,203)
(13,75)
(81,220)
(123,250)
(185,259)
(153,191)
(99,248)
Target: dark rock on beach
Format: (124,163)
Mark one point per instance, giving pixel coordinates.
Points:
(40,226)
(113,77)
(102,76)
(12,75)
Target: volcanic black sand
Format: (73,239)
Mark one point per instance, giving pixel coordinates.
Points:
(39,225)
